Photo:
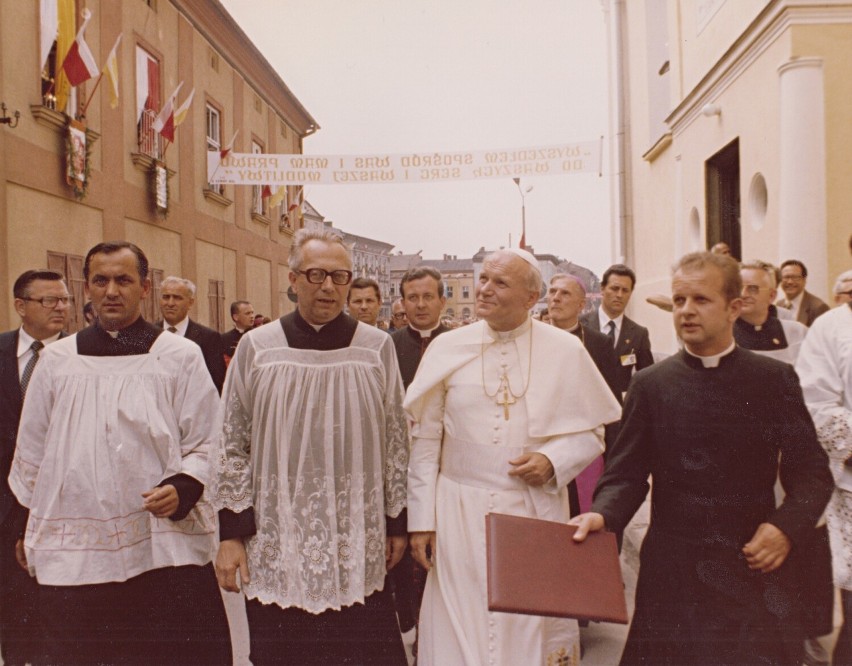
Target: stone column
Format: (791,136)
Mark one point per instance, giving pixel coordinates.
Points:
(802,216)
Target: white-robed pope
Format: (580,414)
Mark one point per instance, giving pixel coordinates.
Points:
(505,413)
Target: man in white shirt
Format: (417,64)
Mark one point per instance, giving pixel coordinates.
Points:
(631,341)
(43,303)
(804,306)
(177,296)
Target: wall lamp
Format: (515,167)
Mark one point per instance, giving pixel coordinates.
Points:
(711,110)
(7,120)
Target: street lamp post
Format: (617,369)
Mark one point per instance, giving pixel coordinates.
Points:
(523,192)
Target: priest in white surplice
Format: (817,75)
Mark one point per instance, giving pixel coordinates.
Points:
(111,462)
(311,474)
(506,412)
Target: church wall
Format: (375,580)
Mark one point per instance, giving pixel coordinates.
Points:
(258,282)
(62,227)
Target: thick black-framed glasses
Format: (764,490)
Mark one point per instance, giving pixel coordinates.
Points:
(50,302)
(318,276)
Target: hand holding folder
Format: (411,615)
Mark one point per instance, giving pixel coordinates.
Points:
(536,568)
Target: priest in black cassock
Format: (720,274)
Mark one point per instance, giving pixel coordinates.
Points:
(111,461)
(708,425)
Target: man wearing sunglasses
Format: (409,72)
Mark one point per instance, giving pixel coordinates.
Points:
(312,474)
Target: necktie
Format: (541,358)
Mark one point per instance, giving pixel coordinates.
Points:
(36,346)
(172,329)
(611,332)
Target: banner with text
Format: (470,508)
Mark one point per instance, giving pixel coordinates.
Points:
(270,169)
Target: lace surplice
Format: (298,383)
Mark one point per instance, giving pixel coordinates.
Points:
(317,443)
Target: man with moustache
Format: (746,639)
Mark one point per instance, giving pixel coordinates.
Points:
(112,461)
(709,424)
(495,429)
(311,474)
(42,302)
(177,296)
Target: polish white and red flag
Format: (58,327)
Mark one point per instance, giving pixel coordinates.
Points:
(80,64)
(165,122)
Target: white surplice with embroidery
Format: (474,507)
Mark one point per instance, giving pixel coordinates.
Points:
(461,445)
(317,443)
(98,431)
(825,370)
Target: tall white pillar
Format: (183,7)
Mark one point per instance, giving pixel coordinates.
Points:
(802,216)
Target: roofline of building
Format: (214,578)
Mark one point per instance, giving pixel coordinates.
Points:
(212,20)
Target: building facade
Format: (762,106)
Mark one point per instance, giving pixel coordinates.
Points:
(226,239)
(458,287)
(734,127)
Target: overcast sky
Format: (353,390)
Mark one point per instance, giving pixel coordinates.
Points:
(448,75)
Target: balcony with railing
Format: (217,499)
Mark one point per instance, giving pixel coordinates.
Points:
(150,141)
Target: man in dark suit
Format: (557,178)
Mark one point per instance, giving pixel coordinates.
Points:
(566,298)
(42,301)
(177,296)
(242,314)
(804,305)
(423,300)
(631,341)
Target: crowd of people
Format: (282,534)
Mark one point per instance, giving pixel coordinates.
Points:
(338,475)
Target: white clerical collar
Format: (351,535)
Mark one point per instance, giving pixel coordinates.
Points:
(712,361)
(425,332)
(505,336)
(25,341)
(180,327)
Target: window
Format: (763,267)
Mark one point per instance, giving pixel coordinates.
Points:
(216,304)
(465,292)
(71,266)
(259,205)
(55,91)
(148,103)
(448,291)
(214,139)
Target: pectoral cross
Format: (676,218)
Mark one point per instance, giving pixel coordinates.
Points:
(506,397)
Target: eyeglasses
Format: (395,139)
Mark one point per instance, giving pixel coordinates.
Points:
(50,302)
(400,315)
(792,278)
(318,276)
(753,289)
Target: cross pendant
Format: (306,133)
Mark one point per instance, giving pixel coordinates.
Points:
(507,398)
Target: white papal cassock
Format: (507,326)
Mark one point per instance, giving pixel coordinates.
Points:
(461,445)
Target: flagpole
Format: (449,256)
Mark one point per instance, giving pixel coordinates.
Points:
(91,95)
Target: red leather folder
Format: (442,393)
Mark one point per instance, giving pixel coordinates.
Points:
(536,568)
